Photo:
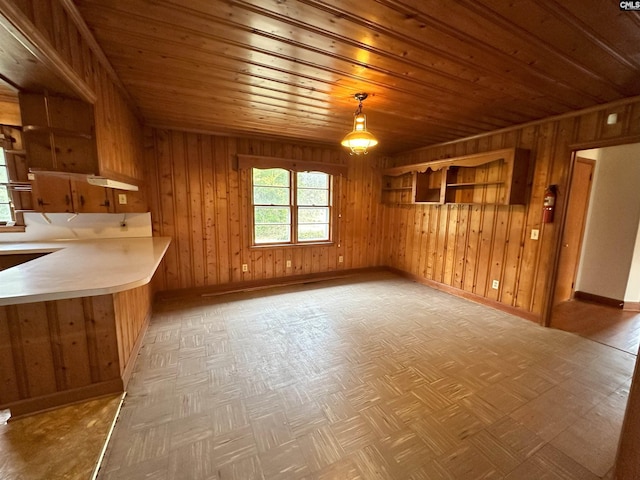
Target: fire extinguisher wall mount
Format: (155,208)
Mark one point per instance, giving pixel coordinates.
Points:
(549,203)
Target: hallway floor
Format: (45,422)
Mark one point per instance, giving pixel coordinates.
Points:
(372,377)
(601,323)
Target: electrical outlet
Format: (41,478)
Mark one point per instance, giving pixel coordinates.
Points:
(340,259)
(288,263)
(245,267)
(122,198)
(535,233)
(495,284)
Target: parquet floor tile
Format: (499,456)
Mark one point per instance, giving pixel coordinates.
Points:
(64,443)
(365,378)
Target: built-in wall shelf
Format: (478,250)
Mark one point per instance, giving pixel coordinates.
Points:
(498,177)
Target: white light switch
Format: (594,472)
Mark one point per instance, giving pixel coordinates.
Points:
(535,233)
(122,198)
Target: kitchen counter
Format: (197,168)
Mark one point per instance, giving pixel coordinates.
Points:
(79,268)
(72,321)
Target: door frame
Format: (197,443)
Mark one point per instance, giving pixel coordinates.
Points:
(572,150)
(575,160)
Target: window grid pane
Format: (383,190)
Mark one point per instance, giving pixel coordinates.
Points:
(272,206)
(313,212)
(271,196)
(274,215)
(271,177)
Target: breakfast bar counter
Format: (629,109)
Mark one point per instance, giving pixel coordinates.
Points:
(71,321)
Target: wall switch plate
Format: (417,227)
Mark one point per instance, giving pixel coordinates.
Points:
(535,233)
(495,284)
(288,263)
(340,259)
(245,267)
(122,198)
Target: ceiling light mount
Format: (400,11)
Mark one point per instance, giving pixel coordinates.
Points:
(359,140)
(360,97)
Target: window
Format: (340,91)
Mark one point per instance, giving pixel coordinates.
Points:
(6,210)
(290,207)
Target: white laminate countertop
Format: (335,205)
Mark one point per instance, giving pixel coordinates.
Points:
(80,268)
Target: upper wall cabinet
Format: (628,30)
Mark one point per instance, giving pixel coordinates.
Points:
(59,134)
(498,177)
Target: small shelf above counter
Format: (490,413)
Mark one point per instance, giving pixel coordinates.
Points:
(498,177)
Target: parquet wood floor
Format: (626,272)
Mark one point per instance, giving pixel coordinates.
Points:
(65,443)
(365,378)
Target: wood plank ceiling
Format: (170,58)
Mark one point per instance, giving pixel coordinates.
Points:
(435,70)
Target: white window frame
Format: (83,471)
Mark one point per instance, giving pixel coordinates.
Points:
(294,210)
(3,166)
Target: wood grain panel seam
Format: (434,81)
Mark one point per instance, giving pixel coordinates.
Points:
(13,321)
(56,345)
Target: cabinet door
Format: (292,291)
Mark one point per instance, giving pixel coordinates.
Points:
(59,133)
(52,194)
(89,198)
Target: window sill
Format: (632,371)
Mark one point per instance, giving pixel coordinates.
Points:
(291,245)
(12,229)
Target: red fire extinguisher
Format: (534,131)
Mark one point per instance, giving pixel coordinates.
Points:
(549,203)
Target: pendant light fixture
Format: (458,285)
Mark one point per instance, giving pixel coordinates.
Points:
(359,140)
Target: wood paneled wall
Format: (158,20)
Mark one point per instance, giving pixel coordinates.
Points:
(132,309)
(466,247)
(118,129)
(201,200)
(56,352)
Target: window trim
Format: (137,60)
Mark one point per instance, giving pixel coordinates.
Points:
(293,206)
(4,165)
(257,161)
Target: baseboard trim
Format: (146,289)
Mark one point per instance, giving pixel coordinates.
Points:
(236,287)
(44,403)
(534,317)
(590,297)
(631,306)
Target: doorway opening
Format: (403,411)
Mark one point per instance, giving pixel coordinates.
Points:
(597,293)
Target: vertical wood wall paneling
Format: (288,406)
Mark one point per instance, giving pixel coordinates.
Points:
(67,350)
(36,346)
(10,390)
(132,310)
(48,348)
(467,247)
(73,342)
(224,260)
(101,314)
(201,200)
